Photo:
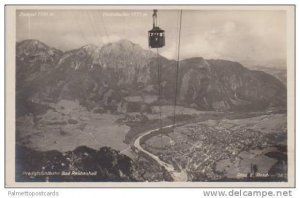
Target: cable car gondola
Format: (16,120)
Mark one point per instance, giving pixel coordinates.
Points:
(156,35)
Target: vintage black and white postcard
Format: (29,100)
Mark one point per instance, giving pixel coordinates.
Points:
(150,96)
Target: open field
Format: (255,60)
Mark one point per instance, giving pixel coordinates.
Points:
(66,128)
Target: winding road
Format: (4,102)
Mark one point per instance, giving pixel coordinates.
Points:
(179,176)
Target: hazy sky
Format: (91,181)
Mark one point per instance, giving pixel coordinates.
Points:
(250,37)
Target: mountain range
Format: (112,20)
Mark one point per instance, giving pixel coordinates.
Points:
(104,76)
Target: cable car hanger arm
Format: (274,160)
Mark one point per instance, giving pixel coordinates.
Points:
(154,16)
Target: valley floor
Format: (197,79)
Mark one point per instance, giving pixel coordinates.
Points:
(207,146)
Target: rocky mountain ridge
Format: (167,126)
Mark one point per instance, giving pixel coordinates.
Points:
(104,76)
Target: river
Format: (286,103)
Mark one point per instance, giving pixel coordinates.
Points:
(179,176)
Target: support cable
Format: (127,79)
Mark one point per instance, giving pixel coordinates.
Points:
(159,87)
(177,70)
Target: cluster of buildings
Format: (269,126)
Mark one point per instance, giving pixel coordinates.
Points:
(198,148)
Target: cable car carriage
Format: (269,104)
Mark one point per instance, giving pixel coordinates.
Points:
(156,36)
